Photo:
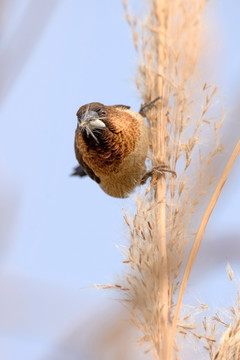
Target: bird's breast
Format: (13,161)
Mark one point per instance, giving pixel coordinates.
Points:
(118,157)
(113,147)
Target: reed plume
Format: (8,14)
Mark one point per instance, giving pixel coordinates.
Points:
(184,135)
(229,345)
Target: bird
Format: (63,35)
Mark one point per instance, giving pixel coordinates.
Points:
(111,147)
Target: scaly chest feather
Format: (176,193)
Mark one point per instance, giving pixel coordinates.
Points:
(106,156)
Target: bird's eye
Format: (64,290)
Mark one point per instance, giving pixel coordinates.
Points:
(102,112)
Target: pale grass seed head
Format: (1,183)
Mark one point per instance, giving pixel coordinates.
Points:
(227,345)
(168,42)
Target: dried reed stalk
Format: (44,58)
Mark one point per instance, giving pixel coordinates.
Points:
(184,136)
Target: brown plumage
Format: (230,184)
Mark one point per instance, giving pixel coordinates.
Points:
(111,145)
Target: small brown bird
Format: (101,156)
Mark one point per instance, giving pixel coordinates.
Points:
(111,145)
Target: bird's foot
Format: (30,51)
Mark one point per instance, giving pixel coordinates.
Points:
(147,106)
(157,171)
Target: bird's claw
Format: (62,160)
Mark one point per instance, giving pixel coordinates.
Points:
(157,170)
(147,106)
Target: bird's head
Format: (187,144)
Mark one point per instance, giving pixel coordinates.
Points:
(92,119)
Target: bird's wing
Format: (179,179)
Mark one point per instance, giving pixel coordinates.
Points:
(84,169)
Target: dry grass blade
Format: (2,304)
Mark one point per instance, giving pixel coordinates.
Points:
(201,231)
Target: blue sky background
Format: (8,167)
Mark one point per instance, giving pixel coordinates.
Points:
(63,229)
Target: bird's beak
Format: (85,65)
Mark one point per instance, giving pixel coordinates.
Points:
(90,119)
(88,116)
(89,123)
